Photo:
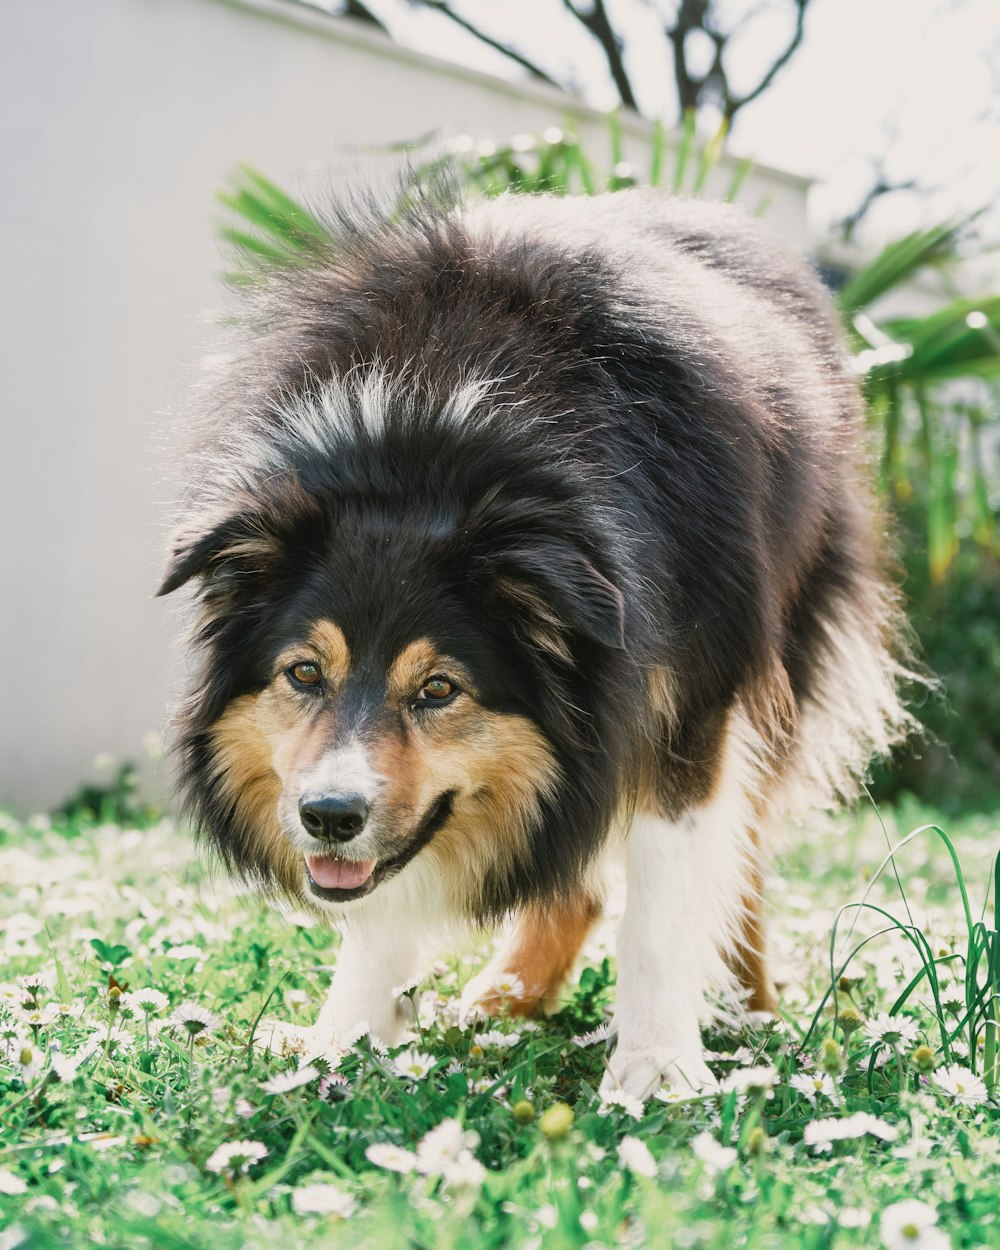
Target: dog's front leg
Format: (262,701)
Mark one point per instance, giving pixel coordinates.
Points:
(683,882)
(373,960)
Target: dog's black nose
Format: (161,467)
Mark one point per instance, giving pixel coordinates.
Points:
(334,817)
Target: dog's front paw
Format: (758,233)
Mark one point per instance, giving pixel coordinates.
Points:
(640,1072)
(343,1021)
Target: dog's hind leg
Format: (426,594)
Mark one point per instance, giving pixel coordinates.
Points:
(537,954)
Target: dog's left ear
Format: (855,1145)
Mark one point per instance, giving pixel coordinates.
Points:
(562,591)
(236,541)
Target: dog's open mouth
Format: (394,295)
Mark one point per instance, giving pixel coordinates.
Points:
(340,880)
(339,874)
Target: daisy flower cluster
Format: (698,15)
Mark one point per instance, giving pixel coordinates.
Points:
(446,1151)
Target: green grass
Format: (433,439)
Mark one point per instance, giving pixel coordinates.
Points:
(119,1153)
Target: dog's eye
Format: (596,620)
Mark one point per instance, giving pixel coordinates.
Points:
(437,691)
(304,673)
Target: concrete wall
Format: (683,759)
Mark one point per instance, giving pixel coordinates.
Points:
(118,118)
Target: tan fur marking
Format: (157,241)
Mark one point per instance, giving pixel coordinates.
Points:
(662,693)
(243,738)
(511,767)
(544,628)
(414,664)
(328,640)
(499,765)
(547,942)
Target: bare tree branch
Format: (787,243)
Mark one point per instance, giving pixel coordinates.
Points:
(599,25)
(881,188)
(691,15)
(362,13)
(440,6)
(734,104)
(688,16)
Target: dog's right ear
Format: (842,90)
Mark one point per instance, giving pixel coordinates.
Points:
(238,541)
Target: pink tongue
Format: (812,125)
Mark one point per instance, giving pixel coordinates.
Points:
(339,874)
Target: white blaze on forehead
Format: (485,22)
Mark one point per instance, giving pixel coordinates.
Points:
(364,400)
(344,770)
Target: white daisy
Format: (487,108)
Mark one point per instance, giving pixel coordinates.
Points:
(27,1062)
(749,1080)
(446,1151)
(910,1225)
(507,985)
(194,1020)
(440,1146)
(961,1085)
(144,1002)
(65,1067)
(11,1184)
(322,1199)
(741,1055)
(392,1158)
(502,1041)
(436,1008)
(464,1171)
(821,1134)
(284,1082)
(952,995)
(635,1155)
(618,1098)
(600,1034)
(715,1156)
(413,1064)
(39,1017)
(811,1084)
(235,1157)
(332,1087)
(186,950)
(671,1095)
(898,1032)
(407,988)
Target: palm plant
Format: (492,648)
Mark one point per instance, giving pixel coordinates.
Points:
(932,389)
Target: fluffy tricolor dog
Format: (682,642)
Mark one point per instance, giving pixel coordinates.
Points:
(522,534)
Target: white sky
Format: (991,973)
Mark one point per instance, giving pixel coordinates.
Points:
(919,78)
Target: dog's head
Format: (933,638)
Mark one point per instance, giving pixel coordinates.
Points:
(392,674)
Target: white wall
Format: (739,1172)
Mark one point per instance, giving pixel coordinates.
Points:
(118,118)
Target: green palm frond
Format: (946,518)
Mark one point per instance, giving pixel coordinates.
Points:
(960,340)
(273,230)
(898,262)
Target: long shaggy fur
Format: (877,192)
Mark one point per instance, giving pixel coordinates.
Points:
(612,450)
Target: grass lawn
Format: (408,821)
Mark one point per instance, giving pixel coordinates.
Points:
(151,1119)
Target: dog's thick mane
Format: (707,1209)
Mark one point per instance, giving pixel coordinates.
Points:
(672,519)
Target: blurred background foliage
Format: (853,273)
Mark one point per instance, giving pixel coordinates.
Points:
(932,382)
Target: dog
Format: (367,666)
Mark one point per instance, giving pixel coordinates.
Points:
(525,534)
